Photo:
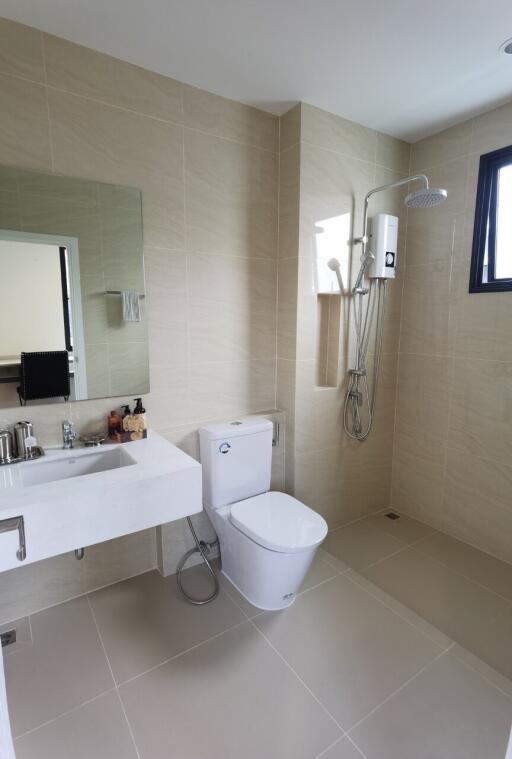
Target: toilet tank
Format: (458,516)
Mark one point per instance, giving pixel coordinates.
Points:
(236,458)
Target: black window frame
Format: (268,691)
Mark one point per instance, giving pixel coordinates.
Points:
(484,231)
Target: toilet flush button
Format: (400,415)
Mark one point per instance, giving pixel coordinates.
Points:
(224,447)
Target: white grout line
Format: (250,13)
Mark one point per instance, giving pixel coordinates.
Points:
(399,614)
(113,678)
(80,595)
(395,692)
(64,714)
(289,666)
(488,680)
(356,746)
(182,653)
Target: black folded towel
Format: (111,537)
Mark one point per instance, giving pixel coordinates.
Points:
(44,374)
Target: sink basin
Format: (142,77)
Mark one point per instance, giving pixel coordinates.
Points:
(76,498)
(91,463)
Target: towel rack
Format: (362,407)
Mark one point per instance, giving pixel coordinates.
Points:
(120,292)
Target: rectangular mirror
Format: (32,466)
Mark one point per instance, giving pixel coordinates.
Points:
(72,296)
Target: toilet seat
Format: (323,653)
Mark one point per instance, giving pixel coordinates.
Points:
(279,522)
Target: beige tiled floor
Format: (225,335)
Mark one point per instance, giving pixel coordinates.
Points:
(462,591)
(349,671)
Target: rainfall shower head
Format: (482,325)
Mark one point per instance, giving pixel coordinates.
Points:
(427,197)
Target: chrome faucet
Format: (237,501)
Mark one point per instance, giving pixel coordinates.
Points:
(68,434)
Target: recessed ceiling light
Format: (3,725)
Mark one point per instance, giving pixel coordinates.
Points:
(506,47)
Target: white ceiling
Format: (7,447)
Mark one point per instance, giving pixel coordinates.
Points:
(405,67)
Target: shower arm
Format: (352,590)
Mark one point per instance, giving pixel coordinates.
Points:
(367,256)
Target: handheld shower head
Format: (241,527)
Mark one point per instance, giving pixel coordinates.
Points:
(427,197)
(335,266)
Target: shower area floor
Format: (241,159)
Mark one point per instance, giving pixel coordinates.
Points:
(398,646)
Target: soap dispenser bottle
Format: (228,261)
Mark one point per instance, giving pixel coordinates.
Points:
(140,411)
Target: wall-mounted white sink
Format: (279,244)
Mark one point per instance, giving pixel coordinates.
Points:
(76,498)
(43,470)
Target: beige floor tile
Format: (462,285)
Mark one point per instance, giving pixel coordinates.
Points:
(407,614)
(351,651)
(447,711)
(477,565)
(145,620)
(97,730)
(405,528)
(320,570)
(455,605)
(488,673)
(230,697)
(23,635)
(344,749)
(337,564)
(494,646)
(64,667)
(361,544)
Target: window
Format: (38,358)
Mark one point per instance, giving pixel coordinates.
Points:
(491,263)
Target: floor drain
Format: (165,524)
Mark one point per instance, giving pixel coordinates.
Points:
(392,515)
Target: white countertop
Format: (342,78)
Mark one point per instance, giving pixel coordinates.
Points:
(162,485)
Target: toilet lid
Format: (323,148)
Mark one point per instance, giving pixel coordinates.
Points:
(279,522)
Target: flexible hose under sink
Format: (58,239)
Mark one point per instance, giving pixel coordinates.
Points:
(199,548)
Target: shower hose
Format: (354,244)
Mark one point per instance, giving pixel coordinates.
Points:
(359,394)
(201,547)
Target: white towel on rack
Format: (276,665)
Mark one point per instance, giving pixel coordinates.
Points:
(131,306)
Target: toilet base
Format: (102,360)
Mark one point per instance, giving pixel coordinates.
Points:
(268,579)
(252,600)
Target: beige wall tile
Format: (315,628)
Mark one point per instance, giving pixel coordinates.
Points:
(481,408)
(226,389)
(482,324)
(231,192)
(327,130)
(92,74)
(393,154)
(21,52)
(422,412)
(167,297)
(332,186)
(433,233)
(477,502)
(492,130)
(219,116)
(24,129)
(417,485)
(232,308)
(108,144)
(289,201)
(425,315)
(290,127)
(287,308)
(443,146)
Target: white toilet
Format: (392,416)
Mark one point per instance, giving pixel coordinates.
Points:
(267,539)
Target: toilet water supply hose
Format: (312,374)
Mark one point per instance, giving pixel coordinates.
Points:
(201,547)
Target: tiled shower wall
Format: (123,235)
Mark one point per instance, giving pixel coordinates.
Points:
(208,171)
(453,436)
(327,165)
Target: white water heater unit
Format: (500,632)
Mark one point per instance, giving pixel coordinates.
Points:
(383,245)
